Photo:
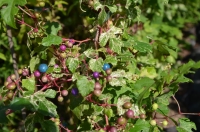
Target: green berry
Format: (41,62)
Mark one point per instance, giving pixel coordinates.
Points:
(153,122)
(165,123)
(155,106)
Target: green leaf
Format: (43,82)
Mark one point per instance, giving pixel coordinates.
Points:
(50,93)
(78,111)
(52,28)
(3,110)
(142,46)
(118,77)
(49,126)
(163,109)
(109,112)
(115,44)
(2,56)
(72,64)
(144,83)
(96,64)
(97,5)
(186,67)
(29,84)
(30,121)
(10,10)
(103,39)
(90,53)
(20,103)
(85,86)
(41,104)
(164,99)
(102,16)
(113,8)
(111,59)
(128,3)
(186,125)
(33,62)
(51,39)
(141,126)
(182,79)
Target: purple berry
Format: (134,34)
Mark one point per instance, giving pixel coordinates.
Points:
(37,73)
(95,74)
(75,91)
(63,47)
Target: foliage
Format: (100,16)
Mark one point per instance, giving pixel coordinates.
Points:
(131,44)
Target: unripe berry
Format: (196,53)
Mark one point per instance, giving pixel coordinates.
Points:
(11,86)
(25,72)
(9,79)
(13,76)
(60,99)
(63,55)
(6,83)
(97,86)
(153,122)
(113,129)
(44,79)
(64,92)
(109,78)
(142,116)
(155,106)
(108,71)
(127,105)
(10,94)
(97,92)
(165,123)
(121,121)
(20,71)
(42,3)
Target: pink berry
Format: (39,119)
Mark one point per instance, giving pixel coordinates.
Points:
(63,47)
(64,92)
(37,73)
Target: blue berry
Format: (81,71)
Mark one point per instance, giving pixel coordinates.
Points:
(106,66)
(75,91)
(43,68)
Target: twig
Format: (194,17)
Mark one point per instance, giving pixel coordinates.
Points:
(25,11)
(11,44)
(179,108)
(106,118)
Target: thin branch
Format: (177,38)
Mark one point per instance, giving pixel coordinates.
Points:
(179,108)
(13,54)
(25,11)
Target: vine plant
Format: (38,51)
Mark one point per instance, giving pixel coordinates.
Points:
(116,79)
